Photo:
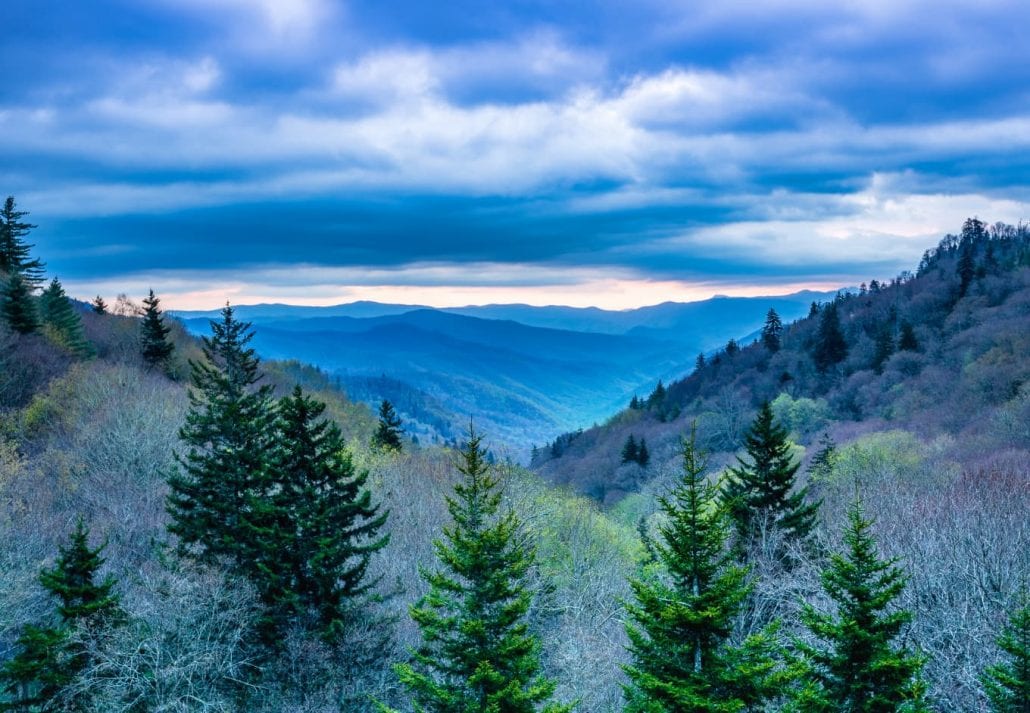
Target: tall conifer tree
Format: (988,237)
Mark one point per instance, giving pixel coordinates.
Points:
(99,306)
(229,432)
(388,431)
(154,344)
(772,332)
(1008,682)
(15,253)
(682,616)
(18,306)
(63,321)
(477,655)
(830,345)
(857,667)
(762,489)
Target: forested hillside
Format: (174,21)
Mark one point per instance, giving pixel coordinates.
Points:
(185,527)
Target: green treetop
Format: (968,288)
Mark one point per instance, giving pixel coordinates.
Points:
(63,321)
(154,344)
(14,251)
(1008,682)
(388,432)
(830,345)
(99,306)
(18,306)
(477,655)
(772,332)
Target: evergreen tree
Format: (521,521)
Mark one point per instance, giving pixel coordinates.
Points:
(699,363)
(761,490)
(154,344)
(772,332)
(966,269)
(63,321)
(830,346)
(643,456)
(229,431)
(682,616)
(824,459)
(630,452)
(388,432)
(14,251)
(907,339)
(314,520)
(884,347)
(48,658)
(17,305)
(634,403)
(99,306)
(657,397)
(477,655)
(813,309)
(1008,683)
(731,348)
(856,667)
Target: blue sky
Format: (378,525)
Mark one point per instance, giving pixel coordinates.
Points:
(607,153)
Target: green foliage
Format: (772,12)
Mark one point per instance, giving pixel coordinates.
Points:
(17,306)
(772,331)
(830,347)
(63,321)
(229,432)
(477,655)
(800,415)
(856,666)
(98,305)
(630,451)
(155,346)
(14,251)
(762,492)
(884,347)
(879,456)
(41,674)
(643,455)
(314,521)
(1008,683)
(907,341)
(388,432)
(821,467)
(683,615)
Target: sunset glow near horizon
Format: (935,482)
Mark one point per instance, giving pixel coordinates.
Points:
(320,151)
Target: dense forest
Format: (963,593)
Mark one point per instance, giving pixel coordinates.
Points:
(833,518)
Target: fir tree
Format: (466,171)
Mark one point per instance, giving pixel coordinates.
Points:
(813,309)
(856,666)
(49,659)
(907,338)
(823,461)
(14,251)
(229,431)
(634,403)
(643,456)
(388,432)
(657,397)
(63,321)
(732,349)
(154,344)
(699,363)
(630,452)
(966,269)
(17,306)
(99,306)
(830,346)
(477,655)
(884,347)
(1008,683)
(315,523)
(761,490)
(772,332)
(682,616)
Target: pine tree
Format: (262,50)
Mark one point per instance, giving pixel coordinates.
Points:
(966,269)
(682,616)
(17,305)
(634,403)
(830,346)
(857,667)
(388,432)
(643,456)
(1008,683)
(907,338)
(823,461)
(314,520)
(99,306)
(732,349)
(154,344)
(63,321)
(14,251)
(772,332)
(761,490)
(699,363)
(477,655)
(884,347)
(229,431)
(630,452)
(49,659)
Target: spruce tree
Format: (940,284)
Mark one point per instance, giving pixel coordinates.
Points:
(699,363)
(154,344)
(63,321)
(823,461)
(760,491)
(49,658)
(1008,683)
(772,332)
(99,306)
(14,251)
(630,452)
(643,455)
(314,520)
(856,666)
(18,306)
(907,338)
(732,349)
(388,432)
(682,617)
(884,347)
(229,431)
(477,655)
(966,269)
(830,346)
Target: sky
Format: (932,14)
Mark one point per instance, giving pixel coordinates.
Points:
(587,153)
